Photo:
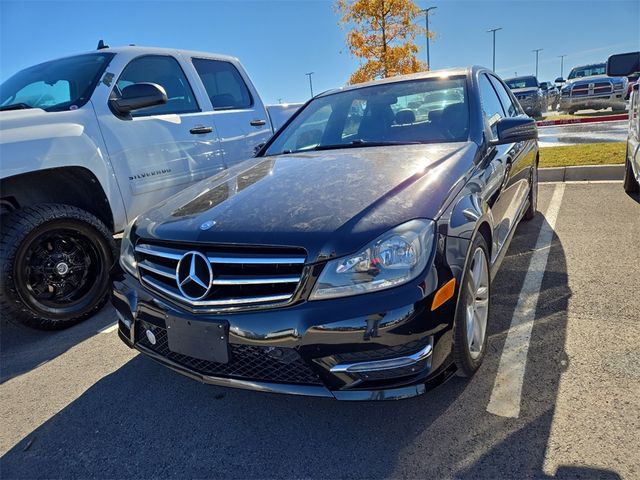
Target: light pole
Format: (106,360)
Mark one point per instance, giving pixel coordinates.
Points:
(537,50)
(426,19)
(494,30)
(310,82)
(561,57)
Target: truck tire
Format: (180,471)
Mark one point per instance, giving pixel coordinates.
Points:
(54,265)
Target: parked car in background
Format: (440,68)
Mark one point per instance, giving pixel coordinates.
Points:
(90,141)
(528,92)
(353,257)
(628,64)
(551,94)
(588,87)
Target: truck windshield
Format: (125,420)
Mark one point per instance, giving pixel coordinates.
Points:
(415,111)
(521,82)
(64,84)
(580,72)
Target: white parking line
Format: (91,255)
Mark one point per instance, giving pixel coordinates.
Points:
(507,388)
(109,328)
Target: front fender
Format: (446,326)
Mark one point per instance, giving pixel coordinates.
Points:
(35,140)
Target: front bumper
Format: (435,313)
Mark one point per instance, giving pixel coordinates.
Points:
(592,102)
(310,348)
(532,105)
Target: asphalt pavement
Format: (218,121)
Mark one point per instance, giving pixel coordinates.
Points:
(598,132)
(79,404)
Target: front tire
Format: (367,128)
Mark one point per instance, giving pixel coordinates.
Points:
(472,312)
(533,194)
(55,262)
(630,183)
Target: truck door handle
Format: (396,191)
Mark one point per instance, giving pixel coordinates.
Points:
(201,129)
(257,122)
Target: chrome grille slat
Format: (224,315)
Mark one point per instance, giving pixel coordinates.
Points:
(254,281)
(173,254)
(214,303)
(249,276)
(158,270)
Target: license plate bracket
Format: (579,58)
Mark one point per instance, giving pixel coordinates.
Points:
(205,340)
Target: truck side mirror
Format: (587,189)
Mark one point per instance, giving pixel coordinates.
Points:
(559,80)
(137,96)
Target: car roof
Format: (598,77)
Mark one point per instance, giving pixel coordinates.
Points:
(599,64)
(521,76)
(449,72)
(135,49)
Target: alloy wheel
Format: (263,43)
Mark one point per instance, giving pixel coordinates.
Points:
(477,308)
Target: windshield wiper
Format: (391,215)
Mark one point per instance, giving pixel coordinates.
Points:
(15,106)
(362,143)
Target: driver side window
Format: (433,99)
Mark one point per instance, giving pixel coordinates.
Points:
(164,71)
(491,106)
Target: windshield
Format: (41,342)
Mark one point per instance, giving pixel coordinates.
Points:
(57,85)
(417,111)
(580,72)
(521,82)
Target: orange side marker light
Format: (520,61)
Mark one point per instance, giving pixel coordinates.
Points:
(443,294)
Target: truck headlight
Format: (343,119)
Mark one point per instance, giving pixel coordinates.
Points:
(127,252)
(394,258)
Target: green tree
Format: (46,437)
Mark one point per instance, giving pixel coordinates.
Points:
(382,36)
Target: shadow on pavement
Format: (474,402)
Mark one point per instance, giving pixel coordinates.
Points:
(146,421)
(22,348)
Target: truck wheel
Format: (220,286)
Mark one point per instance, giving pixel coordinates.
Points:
(630,183)
(55,261)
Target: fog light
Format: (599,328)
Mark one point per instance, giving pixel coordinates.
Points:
(151,337)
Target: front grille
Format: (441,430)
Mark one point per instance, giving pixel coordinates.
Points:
(239,276)
(246,362)
(599,88)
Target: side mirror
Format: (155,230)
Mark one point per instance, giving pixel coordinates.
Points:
(559,80)
(515,129)
(623,64)
(137,96)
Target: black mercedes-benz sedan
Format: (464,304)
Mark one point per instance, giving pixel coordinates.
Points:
(352,258)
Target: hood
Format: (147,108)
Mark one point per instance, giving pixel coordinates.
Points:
(588,79)
(328,202)
(521,91)
(32,124)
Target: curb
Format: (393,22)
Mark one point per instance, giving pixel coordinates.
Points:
(571,121)
(581,173)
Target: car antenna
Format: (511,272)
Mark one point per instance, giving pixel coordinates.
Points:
(101,45)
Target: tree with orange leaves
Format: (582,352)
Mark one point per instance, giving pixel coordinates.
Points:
(382,36)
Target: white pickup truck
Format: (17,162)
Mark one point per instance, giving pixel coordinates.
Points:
(89,142)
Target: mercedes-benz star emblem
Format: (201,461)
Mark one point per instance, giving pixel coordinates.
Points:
(194,275)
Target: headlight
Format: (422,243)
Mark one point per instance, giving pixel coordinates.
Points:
(396,257)
(127,252)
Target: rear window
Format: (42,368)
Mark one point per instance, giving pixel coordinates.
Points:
(224,84)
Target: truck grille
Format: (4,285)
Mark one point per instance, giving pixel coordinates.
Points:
(599,88)
(246,362)
(221,277)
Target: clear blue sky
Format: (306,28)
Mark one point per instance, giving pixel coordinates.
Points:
(278,41)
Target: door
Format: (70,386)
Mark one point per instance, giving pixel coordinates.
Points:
(239,116)
(508,161)
(160,150)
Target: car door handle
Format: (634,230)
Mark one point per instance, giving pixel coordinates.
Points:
(201,129)
(258,122)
